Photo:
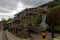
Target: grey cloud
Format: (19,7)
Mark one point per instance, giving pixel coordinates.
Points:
(4,10)
(10,4)
(34,3)
(7,4)
(5,16)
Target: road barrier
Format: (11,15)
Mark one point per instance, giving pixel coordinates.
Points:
(43,35)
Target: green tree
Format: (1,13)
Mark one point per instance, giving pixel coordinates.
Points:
(53,16)
(5,23)
(10,19)
(53,3)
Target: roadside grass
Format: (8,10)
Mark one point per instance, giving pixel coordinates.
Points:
(57,28)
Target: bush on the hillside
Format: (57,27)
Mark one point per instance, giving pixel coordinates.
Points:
(53,16)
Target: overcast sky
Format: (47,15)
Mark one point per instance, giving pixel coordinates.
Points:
(10,7)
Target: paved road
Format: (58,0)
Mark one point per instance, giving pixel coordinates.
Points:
(0,35)
(39,37)
(4,36)
(10,36)
(35,36)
